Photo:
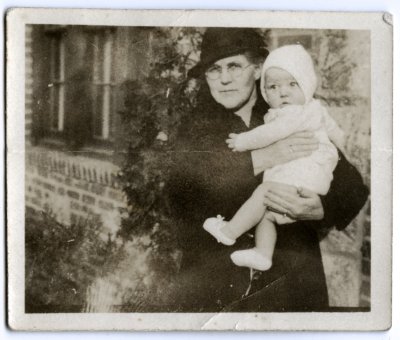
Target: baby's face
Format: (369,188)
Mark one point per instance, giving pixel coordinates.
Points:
(282,89)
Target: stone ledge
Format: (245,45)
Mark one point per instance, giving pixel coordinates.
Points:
(78,167)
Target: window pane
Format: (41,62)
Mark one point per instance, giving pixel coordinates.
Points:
(57,59)
(97,59)
(57,65)
(102,88)
(305,40)
(97,110)
(54,97)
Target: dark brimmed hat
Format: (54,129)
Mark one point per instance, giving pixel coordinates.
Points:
(223,42)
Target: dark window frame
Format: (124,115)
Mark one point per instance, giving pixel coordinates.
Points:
(57,82)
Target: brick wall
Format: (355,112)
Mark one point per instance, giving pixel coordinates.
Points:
(73,187)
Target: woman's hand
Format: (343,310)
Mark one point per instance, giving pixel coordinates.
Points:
(298,203)
(297,145)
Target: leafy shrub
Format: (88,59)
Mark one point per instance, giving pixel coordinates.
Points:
(154,107)
(62,261)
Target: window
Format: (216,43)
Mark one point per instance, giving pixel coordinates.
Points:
(75,75)
(303,39)
(102,84)
(57,82)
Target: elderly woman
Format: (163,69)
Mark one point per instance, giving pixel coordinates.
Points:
(209,179)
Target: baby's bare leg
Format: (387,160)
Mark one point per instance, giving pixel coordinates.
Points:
(266,235)
(249,214)
(259,257)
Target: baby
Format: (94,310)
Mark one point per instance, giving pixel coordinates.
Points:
(288,83)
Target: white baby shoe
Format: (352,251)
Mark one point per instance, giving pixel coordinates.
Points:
(251,258)
(214,225)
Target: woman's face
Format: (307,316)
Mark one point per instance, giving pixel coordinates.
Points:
(233,89)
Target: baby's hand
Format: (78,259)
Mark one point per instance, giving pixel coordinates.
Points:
(234,143)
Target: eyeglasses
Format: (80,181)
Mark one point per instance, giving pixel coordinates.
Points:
(234,70)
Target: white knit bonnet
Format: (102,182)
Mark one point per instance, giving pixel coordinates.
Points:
(295,60)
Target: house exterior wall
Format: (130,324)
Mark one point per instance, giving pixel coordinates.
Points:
(73,188)
(72,184)
(80,185)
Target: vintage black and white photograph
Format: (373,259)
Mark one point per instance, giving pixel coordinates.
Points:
(200,169)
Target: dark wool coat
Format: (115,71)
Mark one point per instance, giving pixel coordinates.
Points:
(209,179)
